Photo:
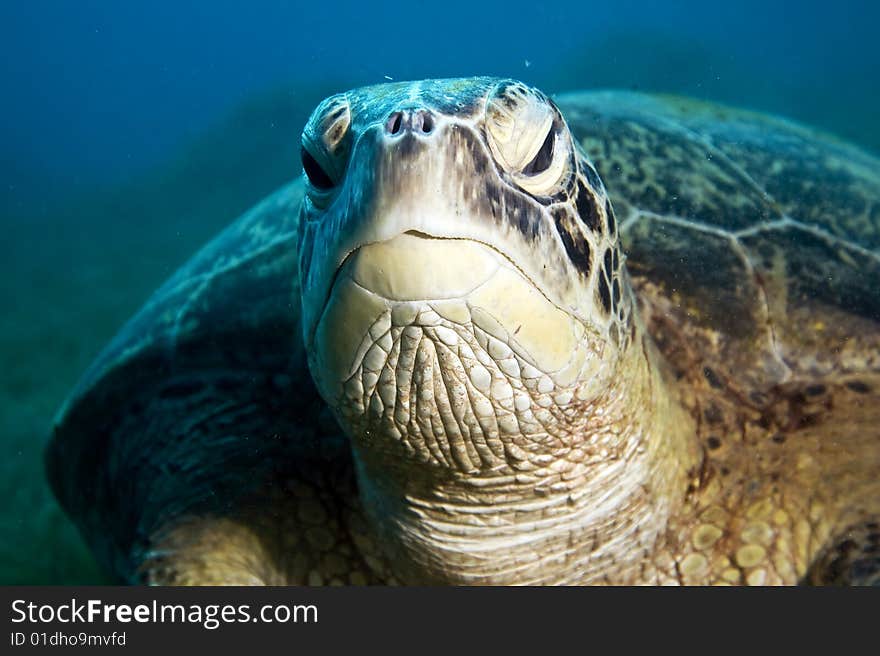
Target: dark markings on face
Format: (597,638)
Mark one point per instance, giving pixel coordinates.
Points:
(493,197)
(610,218)
(477,154)
(522,215)
(604,293)
(587,209)
(615,292)
(607,262)
(576,246)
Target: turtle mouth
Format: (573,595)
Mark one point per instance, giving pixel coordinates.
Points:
(413,245)
(416,266)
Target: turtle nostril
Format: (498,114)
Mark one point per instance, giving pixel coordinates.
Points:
(394,123)
(420,121)
(427,122)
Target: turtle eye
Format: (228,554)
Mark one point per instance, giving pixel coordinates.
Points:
(544,158)
(315,173)
(527,137)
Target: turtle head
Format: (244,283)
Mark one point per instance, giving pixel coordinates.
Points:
(461,282)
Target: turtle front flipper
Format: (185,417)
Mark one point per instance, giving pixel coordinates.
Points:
(232,477)
(255,487)
(210,551)
(296,522)
(255,550)
(852,559)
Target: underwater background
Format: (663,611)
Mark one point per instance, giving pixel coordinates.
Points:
(132,132)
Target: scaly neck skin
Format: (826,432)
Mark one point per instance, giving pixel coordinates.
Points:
(587,501)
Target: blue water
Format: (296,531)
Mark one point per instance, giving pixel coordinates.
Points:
(98,90)
(132,131)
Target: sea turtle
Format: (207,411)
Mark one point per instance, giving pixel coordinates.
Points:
(442,357)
